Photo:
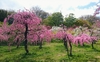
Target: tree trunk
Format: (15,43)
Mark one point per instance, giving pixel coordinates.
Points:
(66,45)
(17,43)
(92,44)
(25,42)
(9,48)
(39,42)
(92,40)
(40,47)
(70,48)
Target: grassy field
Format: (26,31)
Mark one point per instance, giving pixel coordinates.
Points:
(53,52)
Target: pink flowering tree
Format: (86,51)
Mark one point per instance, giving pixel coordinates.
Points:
(94,38)
(84,38)
(24,24)
(67,39)
(3,37)
(41,34)
(8,33)
(97,24)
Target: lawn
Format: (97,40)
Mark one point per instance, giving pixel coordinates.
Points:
(51,52)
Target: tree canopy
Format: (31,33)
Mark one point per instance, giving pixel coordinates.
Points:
(56,19)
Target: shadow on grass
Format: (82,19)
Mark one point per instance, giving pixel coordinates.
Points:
(96,50)
(25,55)
(27,58)
(84,46)
(11,49)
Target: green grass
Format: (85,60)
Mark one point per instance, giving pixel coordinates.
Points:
(53,52)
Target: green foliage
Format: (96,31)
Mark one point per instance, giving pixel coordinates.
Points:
(47,21)
(55,19)
(70,20)
(81,22)
(5,13)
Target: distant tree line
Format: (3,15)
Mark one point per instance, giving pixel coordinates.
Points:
(56,18)
(5,13)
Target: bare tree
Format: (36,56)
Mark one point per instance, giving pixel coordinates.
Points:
(39,12)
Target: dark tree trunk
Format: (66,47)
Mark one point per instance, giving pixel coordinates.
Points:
(66,45)
(9,48)
(17,43)
(70,48)
(40,43)
(25,42)
(92,40)
(92,45)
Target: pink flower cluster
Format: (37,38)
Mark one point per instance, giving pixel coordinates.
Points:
(80,39)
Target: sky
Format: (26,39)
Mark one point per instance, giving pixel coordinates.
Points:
(77,7)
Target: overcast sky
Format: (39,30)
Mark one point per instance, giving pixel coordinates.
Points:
(78,7)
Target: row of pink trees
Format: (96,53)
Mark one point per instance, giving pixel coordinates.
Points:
(69,39)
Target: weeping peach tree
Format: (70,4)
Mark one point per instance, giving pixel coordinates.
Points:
(24,25)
